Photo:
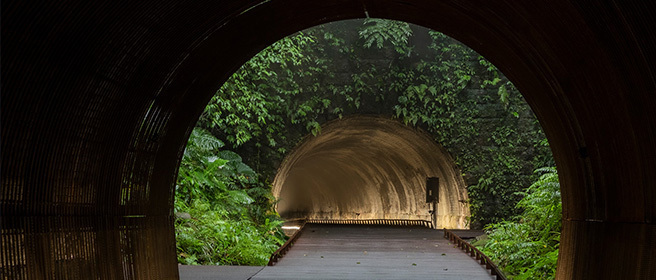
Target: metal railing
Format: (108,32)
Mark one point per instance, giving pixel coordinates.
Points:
(387,222)
(472,251)
(278,254)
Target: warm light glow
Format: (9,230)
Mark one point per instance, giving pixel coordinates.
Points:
(291,227)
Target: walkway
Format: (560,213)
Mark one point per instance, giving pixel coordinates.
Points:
(373,252)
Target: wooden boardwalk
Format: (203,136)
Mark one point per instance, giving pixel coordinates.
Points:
(373,252)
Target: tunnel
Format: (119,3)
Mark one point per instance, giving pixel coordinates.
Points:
(368,167)
(99,98)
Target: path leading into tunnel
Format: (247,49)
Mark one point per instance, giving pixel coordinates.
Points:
(373,252)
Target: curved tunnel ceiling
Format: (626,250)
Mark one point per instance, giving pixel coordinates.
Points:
(98,99)
(369,168)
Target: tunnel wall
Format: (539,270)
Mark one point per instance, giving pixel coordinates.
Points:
(368,167)
(98,99)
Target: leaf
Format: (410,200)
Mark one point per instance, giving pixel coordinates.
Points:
(216,160)
(503,96)
(240,196)
(242,168)
(432,90)
(204,140)
(229,156)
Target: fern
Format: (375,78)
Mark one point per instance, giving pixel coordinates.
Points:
(527,248)
(378,31)
(231,217)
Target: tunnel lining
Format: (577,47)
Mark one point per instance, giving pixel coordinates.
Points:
(79,85)
(383,165)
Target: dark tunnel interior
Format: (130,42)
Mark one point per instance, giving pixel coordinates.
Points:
(99,98)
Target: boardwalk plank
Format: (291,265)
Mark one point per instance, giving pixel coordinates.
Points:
(373,252)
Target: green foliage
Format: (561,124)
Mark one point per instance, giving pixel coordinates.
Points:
(243,109)
(376,67)
(436,94)
(527,247)
(432,92)
(225,214)
(379,31)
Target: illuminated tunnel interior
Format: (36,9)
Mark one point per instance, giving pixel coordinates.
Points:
(369,168)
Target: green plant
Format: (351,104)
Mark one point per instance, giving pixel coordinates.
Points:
(377,66)
(527,246)
(379,31)
(224,215)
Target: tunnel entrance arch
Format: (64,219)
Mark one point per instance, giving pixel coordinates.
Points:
(366,167)
(105,104)
(551,63)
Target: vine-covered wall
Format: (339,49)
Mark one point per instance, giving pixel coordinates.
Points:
(421,77)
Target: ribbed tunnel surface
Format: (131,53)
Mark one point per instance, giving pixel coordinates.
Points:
(99,98)
(369,168)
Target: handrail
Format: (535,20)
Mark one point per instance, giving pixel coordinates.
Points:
(390,222)
(278,254)
(472,251)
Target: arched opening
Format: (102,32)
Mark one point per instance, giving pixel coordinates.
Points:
(550,76)
(107,105)
(330,71)
(369,168)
